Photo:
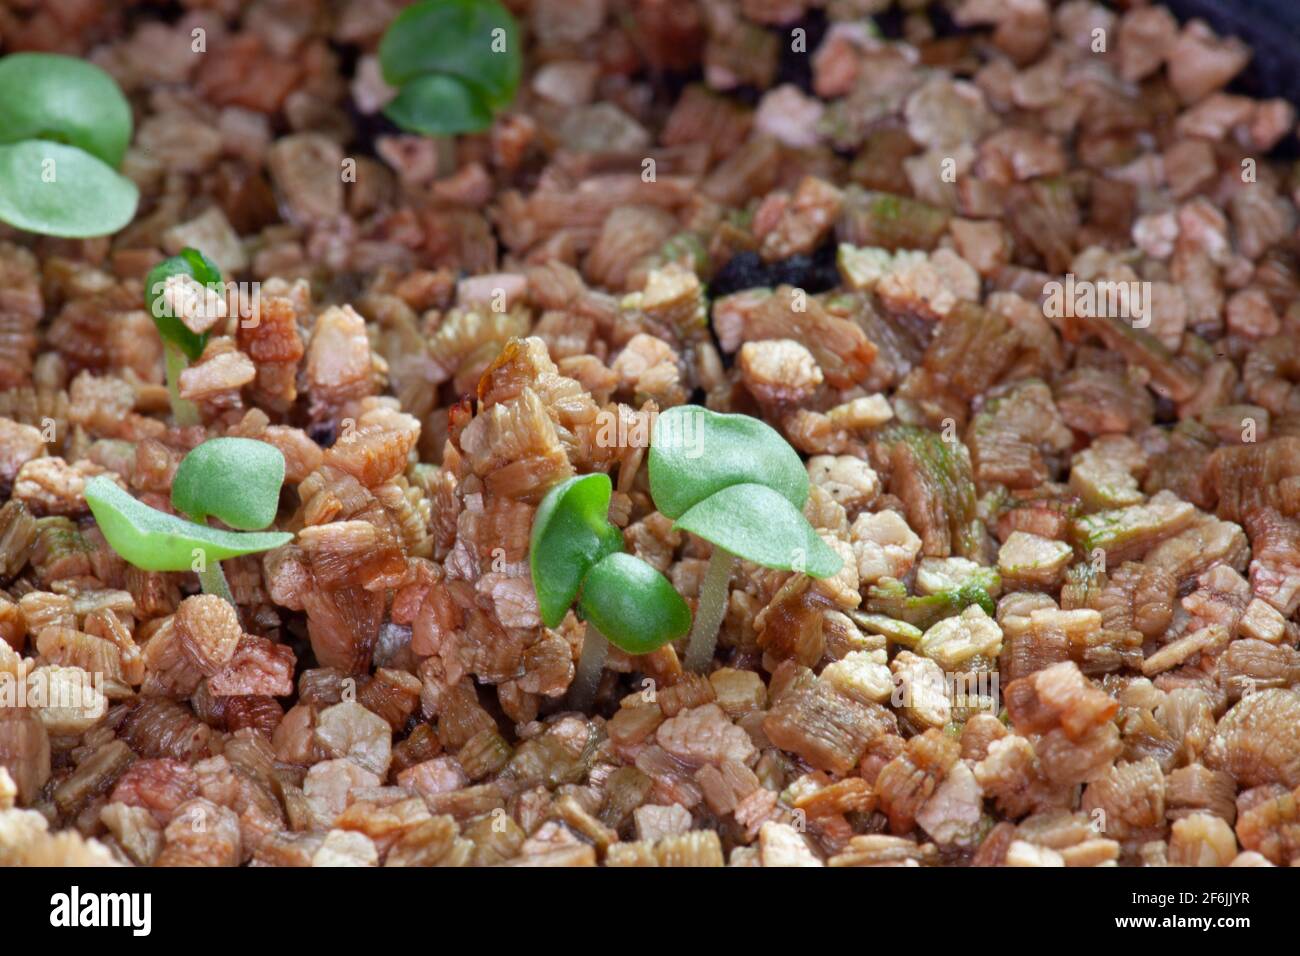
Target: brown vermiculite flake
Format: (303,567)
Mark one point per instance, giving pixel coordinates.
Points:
(1030,330)
(209,632)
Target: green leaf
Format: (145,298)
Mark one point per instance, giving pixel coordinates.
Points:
(188,262)
(571,533)
(455,38)
(439,105)
(633,605)
(58,190)
(62,98)
(696,453)
(759,525)
(153,540)
(234,479)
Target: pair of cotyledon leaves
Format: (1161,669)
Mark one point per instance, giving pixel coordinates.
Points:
(735,482)
(455,64)
(236,480)
(64,128)
(577,554)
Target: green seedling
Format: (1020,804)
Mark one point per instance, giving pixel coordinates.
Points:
(576,554)
(455,64)
(64,128)
(181,345)
(236,480)
(735,482)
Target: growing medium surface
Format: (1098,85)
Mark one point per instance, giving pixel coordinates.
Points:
(1056,622)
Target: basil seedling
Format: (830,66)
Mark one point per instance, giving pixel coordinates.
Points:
(166,288)
(575,553)
(734,481)
(455,63)
(64,128)
(234,479)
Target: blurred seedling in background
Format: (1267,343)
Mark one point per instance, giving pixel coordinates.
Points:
(576,554)
(236,480)
(455,63)
(181,297)
(745,496)
(64,128)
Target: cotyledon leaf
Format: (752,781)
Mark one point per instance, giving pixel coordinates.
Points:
(759,525)
(57,190)
(439,105)
(64,99)
(234,479)
(153,540)
(632,604)
(696,452)
(571,533)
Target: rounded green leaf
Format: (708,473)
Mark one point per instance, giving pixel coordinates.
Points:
(696,452)
(188,262)
(62,98)
(759,525)
(234,479)
(58,190)
(473,40)
(153,540)
(571,532)
(632,604)
(439,105)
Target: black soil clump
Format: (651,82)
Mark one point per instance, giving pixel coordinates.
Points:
(746,270)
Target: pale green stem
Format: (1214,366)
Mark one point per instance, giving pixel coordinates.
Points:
(185,412)
(710,611)
(446,152)
(591,663)
(213,580)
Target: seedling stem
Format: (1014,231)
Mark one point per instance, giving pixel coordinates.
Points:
(446,147)
(710,610)
(591,664)
(183,410)
(213,581)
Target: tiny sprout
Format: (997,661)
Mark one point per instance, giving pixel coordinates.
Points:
(64,128)
(576,554)
(234,479)
(181,344)
(455,63)
(745,496)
